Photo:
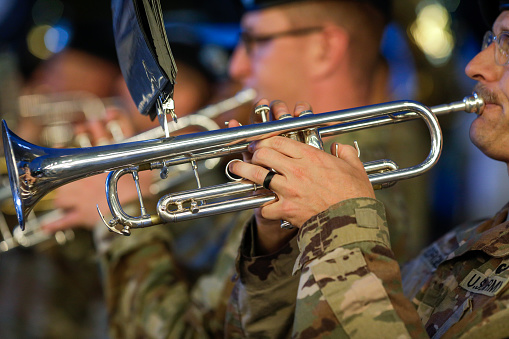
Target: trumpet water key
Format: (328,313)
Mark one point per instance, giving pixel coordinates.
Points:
(34,170)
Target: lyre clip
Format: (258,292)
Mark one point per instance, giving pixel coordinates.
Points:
(166,106)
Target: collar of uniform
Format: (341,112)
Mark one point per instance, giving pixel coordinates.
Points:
(491,236)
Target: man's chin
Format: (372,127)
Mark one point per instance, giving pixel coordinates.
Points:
(486,146)
(476,134)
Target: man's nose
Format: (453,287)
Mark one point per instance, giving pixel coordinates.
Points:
(240,64)
(483,66)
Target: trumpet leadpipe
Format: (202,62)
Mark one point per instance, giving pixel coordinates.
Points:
(470,104)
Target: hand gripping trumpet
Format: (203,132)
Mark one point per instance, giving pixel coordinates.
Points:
(34,170)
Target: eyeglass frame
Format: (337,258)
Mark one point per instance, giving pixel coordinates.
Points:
(490,37)
(249,39)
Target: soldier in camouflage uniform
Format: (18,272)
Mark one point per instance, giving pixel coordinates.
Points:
(278,35)
(345,280)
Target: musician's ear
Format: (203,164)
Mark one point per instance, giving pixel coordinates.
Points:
(330,51)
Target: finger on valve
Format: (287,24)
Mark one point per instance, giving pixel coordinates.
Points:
(254,173)
(281,111)
(98,133)
(119,123)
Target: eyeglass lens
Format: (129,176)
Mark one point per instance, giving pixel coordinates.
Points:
(249,39)
(502,48)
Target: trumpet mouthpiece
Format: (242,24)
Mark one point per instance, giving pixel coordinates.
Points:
(474,104)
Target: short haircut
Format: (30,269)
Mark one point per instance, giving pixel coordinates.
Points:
(364,24)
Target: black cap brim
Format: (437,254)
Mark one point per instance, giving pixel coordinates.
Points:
(384,6)
(490,9)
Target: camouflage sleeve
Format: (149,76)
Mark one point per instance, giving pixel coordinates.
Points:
(149,296)
(350,284)
(262,303)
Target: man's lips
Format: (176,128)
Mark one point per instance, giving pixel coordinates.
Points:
(490,106)
(489,96)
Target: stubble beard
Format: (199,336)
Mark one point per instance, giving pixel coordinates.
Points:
(483,129)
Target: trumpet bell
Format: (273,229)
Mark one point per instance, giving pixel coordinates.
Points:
(22,159)
(12,169)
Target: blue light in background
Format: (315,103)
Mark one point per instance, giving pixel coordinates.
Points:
(224,35)
(56,38)
(397,52)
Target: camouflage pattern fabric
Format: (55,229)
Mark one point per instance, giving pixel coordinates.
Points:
(196,243)
(171,281)
(407,206)
(459,283)
(252,311)
(149,295)
(350,286)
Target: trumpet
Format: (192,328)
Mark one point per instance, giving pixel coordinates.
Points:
(56,112)
(34,170)
(30,233)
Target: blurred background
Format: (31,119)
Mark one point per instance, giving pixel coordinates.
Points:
(53,290)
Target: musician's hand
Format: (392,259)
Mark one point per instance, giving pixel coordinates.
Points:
(308,180)
(270,235)
(113,127)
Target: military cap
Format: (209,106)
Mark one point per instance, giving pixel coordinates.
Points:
(384,6)
(490,9)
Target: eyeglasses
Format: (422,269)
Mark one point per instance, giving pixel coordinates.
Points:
(250,40)
(502,48)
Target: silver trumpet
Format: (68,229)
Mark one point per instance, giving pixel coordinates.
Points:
(34,170)
(29,233)
(32,235)
(56,112)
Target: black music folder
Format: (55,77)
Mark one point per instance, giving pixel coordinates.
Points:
(144,53)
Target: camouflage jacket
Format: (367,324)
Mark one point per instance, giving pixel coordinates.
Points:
(149,293)
(346,282)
